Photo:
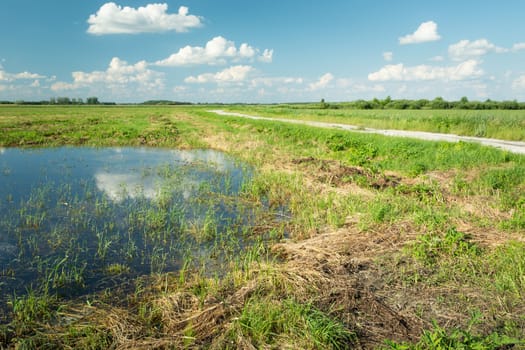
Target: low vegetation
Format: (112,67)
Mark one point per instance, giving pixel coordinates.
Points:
(506,124)
(381,243)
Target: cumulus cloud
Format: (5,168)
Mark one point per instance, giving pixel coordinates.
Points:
(63,86)
(5,76)
(267,56)
(216,51)
(322,82)
(118,73)
(427,31)
(233,74)
(518,47)
(388,56)
(114,19)
(465,49)
(398,72)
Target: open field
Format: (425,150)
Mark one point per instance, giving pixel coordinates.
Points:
(382,242)
(498,124)
(511,146)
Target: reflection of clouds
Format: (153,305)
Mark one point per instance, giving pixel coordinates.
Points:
(219,161)
(2,150)
(119,186)
(140,172)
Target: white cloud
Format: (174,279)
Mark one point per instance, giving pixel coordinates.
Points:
(5,76)
(267,56)
(27,75)
(120,186)
(322,82)
(35,83)
(62,86)
(437,58)
(275,81)
(519,83)
(246,50)
(388,56)
(427,31)
(398,72)
(114,19)
(118,74)
(233,74)
(518,46)
(217,51)
(465,49)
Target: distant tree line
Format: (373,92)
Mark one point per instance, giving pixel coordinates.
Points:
(89,101)
(437,103)
(387,103)
(61,101)
(165,102)
(73,101)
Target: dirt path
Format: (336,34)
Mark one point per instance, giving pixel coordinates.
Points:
(511,146)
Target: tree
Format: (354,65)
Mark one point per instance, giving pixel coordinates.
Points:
(385,103)
(92,101)
(439,103)
(63,100)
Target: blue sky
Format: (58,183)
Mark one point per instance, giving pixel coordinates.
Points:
(262,51)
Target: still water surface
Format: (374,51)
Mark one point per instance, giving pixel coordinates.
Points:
(78,220)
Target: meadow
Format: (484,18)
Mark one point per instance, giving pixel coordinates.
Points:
(356,241)
(498,124)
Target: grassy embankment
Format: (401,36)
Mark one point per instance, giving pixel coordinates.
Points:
(498,124)
(393,242)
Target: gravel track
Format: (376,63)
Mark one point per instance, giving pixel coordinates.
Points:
(511,146)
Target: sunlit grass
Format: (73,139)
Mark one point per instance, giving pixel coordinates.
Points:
(500,124)
(430,232)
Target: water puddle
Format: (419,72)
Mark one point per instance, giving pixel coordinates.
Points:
(79,220)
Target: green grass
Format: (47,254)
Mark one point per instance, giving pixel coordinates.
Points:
(501,124)
(267,322)
(447,221)
(374,151)
(441,339)
(91,126)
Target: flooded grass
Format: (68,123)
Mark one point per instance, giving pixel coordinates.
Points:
(76,221)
